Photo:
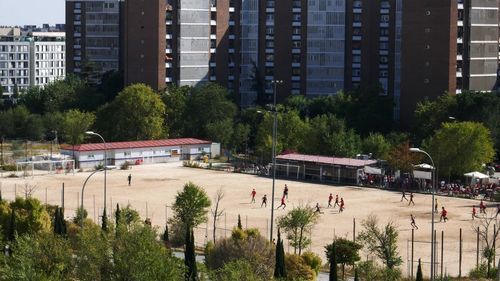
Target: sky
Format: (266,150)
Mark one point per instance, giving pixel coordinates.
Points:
(24,12)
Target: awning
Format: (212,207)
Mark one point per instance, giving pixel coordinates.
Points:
(476,175)
(372,170)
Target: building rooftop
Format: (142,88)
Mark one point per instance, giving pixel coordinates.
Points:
(325,160)
(135,144)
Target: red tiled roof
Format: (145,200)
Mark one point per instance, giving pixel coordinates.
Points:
(326,160)
(134,144)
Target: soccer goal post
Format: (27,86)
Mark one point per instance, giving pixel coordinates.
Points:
(32,168)
(288,170)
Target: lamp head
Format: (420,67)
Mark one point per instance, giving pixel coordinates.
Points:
(89,133)
(415,149)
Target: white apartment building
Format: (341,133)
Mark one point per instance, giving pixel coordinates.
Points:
(32,59)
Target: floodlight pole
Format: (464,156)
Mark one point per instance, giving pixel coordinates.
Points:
(433,191)
(105,164)
(275,125)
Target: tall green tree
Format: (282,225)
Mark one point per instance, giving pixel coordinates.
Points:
(381,241)
(104,225)
(31,216)
(137,113)
(461,147)
(176,103)
(11,231)
(332,258)
(207,104)
(279,270)
(401,158)
(377,145)
(220,131)
(297,224)
(346,251)
(75,124)
(429,115)
(190,208)
(420,276)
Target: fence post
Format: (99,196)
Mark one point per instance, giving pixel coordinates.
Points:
(460,255)
(477,248)
(93,195)
(225,225)
(354,230)
(147,213)
(412,251)
(435,253)
(15,191)
(45,196)
(494,243)
(77,200)
(442,252)
(246,221)
(62,199)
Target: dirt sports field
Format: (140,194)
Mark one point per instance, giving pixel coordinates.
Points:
(154,187)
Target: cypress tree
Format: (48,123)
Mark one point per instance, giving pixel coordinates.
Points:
(420,277)
(11,234)
(118,215)
(1,192)
(190,257)
(239,222)
(279,269)
(57,227)
(333,265)
(356,277)
(165,237)
(104,225)
(64,230)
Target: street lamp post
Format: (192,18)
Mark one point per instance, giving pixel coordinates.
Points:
(83,190)
(105,163)
(275,125)
(414,149)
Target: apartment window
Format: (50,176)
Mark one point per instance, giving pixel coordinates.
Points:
(269,44)
(385,4)
(127,153)
(357,18)
(384,59)
(295,85)
(357,4)
(384,18)
(297,4)
(269,57)
(356,59)
(269,71)
(356,72)
(356,31)
(296,17)
(384,46)
(296,58)
(384,73)
(296,31)
(270,30)
(384,32)
(78,5)
(296,44)
(270,17)
(296,71)
(270,3)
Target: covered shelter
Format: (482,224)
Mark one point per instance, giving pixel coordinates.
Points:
(323,168)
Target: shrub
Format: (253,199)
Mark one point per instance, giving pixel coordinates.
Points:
(98,167)
(313,260)
(255,250)
(125,165)
(482,272)
(191,164)
(297,268)
(369,270)
(241,270)
(8,168)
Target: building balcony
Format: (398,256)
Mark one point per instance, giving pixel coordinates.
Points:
(77,11)
(459,74)
(168,65)
(269,78)
(460,6)
(168,79)
(356,52)
(296,10)
(356,79)
(295,51)
(232,37)
(168,36)
(269,51)
(384,24)
(296,23)
(356,24)
(295,37)
(213,22)
(383,38)
(460,40)
(77,58)
(212,50)
(269,23)
(269,91)
(231,9)
(295,64)
(459,57)
(231,23)
(357,10)
(213,64)
(78,34)
(77,46)
(384,11)
(77,22)
(269,10)
(230,78)
(295,92)
(213,9)
(231,64)
(231,50)
(213,78)
(168,51)
(458,91)
(460,23)
(269,64)
(356,65)
(295,78)
(356,38)
(168,22)
(213,36)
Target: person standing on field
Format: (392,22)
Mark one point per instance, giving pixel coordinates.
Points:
(129,178)
(264,201)
(253,195)
(413,224)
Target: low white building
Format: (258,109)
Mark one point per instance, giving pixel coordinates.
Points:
(140,152)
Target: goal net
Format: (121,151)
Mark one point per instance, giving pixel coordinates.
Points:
(287,170)
(32,168)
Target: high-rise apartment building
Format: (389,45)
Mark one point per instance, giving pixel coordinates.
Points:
(411,50)
(93,35)
(30,59)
